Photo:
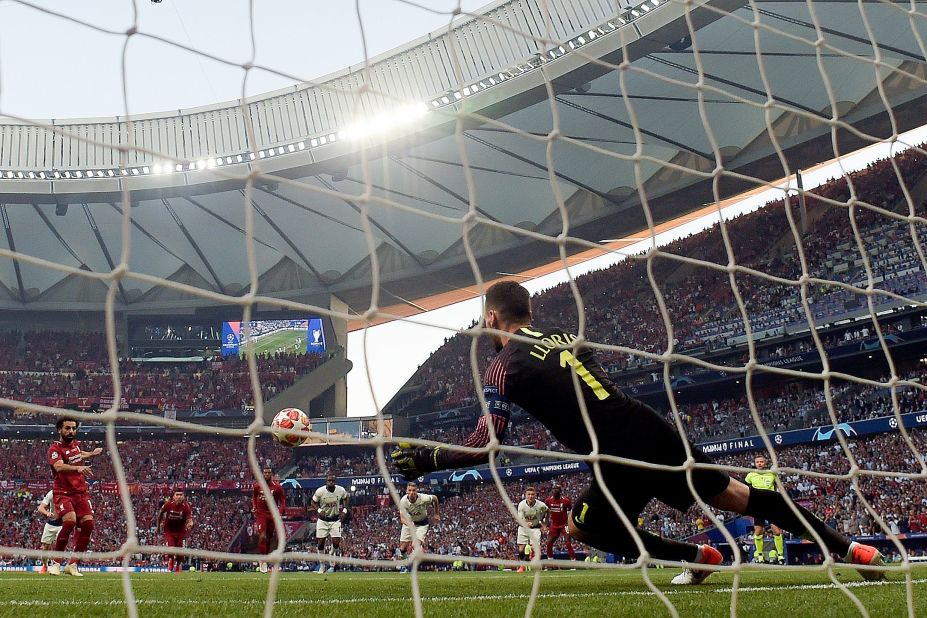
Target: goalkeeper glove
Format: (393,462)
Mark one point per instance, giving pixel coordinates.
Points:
(415,461)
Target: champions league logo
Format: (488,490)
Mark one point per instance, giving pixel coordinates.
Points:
(231,339)
(844,428)
(463,475)
(316,335)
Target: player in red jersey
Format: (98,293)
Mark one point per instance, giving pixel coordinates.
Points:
(69,492)
(263,520)
(559,511)
(177,517)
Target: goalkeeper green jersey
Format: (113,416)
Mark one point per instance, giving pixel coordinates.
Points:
(761,479)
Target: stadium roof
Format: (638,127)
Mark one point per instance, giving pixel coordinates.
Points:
(62,182)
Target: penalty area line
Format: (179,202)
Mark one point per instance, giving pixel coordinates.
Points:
(451,599)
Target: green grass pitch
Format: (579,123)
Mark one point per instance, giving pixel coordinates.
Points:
(368,595)
(282,339)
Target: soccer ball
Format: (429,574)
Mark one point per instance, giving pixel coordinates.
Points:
(292,419)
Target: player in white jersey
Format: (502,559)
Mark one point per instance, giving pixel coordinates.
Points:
(536,515)
(413,513)
(331,503)
(52,524)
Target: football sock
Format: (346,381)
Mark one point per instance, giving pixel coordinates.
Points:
(758,541)
(550,548)
(83,537)
(780,545)
(569,546)
(61,543)
(772,506)
(621,543)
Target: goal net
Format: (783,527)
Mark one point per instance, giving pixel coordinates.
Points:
(724,200)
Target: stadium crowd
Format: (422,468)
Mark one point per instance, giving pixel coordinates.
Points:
(188,459)
(621,307)
(195,386)
(217,518)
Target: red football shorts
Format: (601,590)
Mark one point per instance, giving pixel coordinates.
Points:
(264,523)
(174,539)
(79,504)
(556,531)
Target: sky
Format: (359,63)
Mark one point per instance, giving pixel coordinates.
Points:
(51,67)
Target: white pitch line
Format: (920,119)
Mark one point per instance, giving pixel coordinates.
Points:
(450,599)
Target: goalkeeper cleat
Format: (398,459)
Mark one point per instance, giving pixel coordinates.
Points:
(866,555)
(71,570)
(706,555)
(54,568)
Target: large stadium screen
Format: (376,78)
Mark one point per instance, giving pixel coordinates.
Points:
(272,336)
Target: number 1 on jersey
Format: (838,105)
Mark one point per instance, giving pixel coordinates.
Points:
(566,358)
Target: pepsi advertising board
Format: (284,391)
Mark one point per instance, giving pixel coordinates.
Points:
(273,337)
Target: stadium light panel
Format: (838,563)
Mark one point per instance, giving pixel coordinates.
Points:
(42,175)
(78,174)
(110,173)
(301,145)
(146,169)
(239,159)
(262,154)
(252,156)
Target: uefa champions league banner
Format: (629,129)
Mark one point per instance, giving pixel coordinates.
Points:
(449,476)
(827,433)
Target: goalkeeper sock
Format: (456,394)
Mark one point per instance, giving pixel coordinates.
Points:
(780,545)
(620,543)
(770,505)
(758,541)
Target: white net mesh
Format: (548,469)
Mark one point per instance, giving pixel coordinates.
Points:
(674,63)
